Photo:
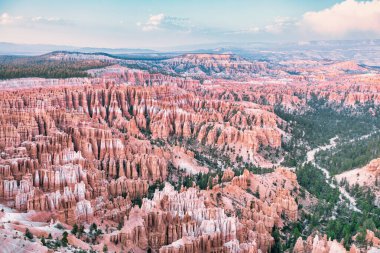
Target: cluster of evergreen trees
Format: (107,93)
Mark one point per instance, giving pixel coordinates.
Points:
(314,181)
(346,223)
(315,128)
(350,155)
(38,66)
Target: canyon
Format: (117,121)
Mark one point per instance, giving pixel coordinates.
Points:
(184,159)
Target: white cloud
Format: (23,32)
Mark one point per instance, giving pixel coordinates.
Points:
(6,19)
(161,21)
(350,16)
(348,19)
(153,23)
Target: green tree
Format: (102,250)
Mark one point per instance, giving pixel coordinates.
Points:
(369,224)
(277,246)
(295,235)
(93,228)
(43,241)
(80,231)
(137,201)
(361,235)
(120,225)
(64,240)
(74,231)
(28,234)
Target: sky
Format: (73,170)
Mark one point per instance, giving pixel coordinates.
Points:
(159,24)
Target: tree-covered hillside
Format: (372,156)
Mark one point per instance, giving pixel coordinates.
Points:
(40,66)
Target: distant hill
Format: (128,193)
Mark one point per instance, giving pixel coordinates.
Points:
(38,49)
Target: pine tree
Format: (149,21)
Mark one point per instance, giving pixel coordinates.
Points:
(81,231)
(64,239)
(93,228)
(74,231)
(28,234)
(277,247)
(120,225)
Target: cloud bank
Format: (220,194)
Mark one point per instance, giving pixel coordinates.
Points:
(345,18)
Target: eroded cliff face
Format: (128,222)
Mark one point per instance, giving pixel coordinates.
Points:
(86,153)
(321,245)
(227,218)
(214,65)
(86,150)
(296,95)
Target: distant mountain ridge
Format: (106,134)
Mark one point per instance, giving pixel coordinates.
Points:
(39,49)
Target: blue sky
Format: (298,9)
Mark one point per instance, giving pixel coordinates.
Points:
(169,23)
